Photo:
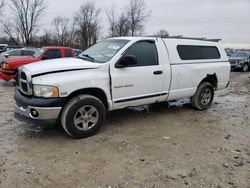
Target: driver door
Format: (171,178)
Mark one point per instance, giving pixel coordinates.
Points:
(141,83)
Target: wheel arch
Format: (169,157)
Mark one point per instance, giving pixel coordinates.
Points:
(212,79)
(96,92)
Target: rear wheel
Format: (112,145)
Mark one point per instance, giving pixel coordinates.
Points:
(203,97)
(83,116)
(245,67)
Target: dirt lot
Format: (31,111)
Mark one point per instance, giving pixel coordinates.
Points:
(150,146)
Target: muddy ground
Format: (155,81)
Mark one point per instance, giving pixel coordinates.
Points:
(152,146)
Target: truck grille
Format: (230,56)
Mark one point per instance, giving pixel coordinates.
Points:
(23,76)
(24,82)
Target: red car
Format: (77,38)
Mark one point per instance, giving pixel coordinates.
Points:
(8,68)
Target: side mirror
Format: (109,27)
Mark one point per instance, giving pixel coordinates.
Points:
(44,57)
(6,55)
(126,61)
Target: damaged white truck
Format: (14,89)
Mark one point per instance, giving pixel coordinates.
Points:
(118,73)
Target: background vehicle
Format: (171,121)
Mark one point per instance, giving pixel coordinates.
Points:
(3,47)
(77,52)
(6,47)
(240,60)
(119,73)
(17,53)
(9,67)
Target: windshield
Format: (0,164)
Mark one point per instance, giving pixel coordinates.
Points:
(14,52)
(38,53)
(104,51)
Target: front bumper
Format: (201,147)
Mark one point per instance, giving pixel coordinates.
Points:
(37,113)
(35,110)
(7,75)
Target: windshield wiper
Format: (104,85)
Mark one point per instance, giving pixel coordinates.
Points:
(88,57)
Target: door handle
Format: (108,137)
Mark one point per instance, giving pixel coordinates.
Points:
(158,72)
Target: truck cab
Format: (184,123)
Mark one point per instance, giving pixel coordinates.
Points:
(118,73)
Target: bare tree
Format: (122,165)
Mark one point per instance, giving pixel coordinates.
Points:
(61,25)
(138,15)
(65,31)
(45,39)
(123,26)
(117,27)
(11,31)
(26,17)
(111,14)
(1,5)
(87,22)
(72,35)
(163,33)
(1,8)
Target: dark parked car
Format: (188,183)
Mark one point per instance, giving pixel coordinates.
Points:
(6,47)
(3,47)
(240,60)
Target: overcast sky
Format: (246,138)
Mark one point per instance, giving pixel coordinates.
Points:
(225,19)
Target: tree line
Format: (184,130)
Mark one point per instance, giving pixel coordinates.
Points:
(81,31)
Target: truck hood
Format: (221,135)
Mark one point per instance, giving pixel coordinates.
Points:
(59,65)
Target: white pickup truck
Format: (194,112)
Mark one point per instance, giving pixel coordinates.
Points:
(118,73)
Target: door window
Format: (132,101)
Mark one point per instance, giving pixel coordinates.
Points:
(53,54)
(27,53)
(68,53)
(145,52)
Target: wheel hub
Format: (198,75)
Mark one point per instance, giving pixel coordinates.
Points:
(245,68)
(206,97)
(86,118)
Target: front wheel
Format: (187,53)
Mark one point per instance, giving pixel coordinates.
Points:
(245,67)
(83,116)
(203,97)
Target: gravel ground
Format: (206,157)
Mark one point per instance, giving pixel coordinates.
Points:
(163,145)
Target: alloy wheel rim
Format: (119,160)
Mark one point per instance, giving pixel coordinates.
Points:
(206,96)
(245,68)
(86,118)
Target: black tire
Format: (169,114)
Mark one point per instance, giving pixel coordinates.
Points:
(245,67)
(76,117)
(203,97)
